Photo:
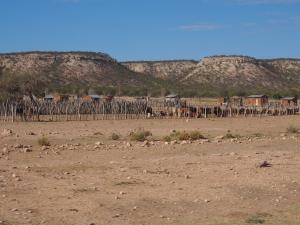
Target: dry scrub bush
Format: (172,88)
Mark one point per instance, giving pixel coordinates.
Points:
(115,136)
(184,136)
(292,129)
(43,141)
(229,135)
(140,135)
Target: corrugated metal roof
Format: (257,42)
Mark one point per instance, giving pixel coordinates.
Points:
(257,96)
(289,98)
(172,96)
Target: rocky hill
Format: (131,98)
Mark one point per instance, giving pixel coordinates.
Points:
(211,75)
(168,70)
(71,67)
(227,72)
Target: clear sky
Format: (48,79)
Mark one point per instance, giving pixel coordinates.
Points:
(153,29)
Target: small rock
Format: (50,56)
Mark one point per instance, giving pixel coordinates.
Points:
(219,137)
(187,177)
(145,144)
(99,143)
(184,143)
(264,164)
(128,144)
(25,150)
(18,146)
(6,132)
(5,150)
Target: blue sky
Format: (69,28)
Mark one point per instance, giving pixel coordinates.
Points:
(153,29)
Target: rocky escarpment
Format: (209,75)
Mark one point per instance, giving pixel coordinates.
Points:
(70,67)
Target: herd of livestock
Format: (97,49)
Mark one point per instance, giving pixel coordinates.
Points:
(40,110)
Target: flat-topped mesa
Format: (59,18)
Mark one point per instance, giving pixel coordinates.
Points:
(55,56)
(229,59)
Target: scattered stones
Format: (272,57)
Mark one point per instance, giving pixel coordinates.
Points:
(145,144)
(99,143)
(18,146)
(44,148)
(30,133)
(184,142)
(25,150)
(173,142)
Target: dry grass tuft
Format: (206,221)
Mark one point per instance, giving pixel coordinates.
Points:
(184,136)
(43,141)
(115,136)
(140,135)
(292,129)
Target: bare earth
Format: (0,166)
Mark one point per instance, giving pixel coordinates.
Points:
(79,182)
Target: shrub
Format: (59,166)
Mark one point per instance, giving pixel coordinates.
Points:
(115,136)
(229,135)
(293,130)
(184,136)
(196,135)
(43,141)
(140,135)
(167,138)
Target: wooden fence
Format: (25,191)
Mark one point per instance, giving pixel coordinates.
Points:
(121,109)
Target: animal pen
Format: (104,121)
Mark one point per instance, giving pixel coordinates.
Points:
(119,109)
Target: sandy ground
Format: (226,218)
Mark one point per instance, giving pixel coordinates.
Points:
(78,182)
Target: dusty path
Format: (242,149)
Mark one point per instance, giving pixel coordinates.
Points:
(213,183)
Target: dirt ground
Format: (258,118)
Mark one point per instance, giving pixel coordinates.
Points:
(86,178)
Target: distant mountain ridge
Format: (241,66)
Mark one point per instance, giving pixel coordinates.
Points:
(227,71)
(210,74)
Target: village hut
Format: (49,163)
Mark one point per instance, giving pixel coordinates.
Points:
(236,101)
(289,101)
(91,98)
(257,100)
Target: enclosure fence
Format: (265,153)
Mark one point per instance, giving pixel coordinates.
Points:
(24,110)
